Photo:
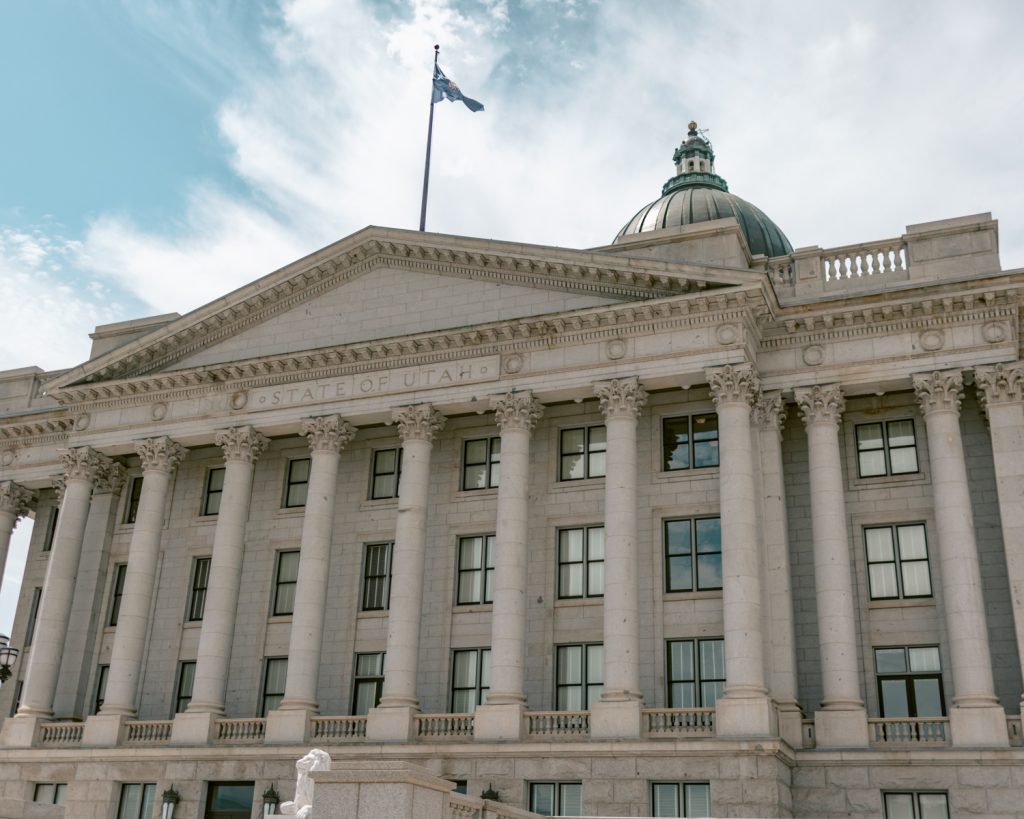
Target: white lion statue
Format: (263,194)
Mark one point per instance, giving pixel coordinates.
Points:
(302,807)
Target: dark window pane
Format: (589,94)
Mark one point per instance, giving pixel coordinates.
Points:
(895,702)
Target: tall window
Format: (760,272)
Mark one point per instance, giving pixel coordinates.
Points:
(137,801)
(274,674)
(50,793)
(368,682)
(286,578)
(579,676)
(186,679)
(33,613)
(476,570)
(197,596)
(131,507)
(387,472)
(582,453)
(581,562)
(471,679)
(696,673)
(51,528)
(916,805)
(481,463)
(377,577)
(693,554)
(101,688)
(214,490)
(910,682)
(556,798)
(680,799)
(117,591)
(296,484)
(689,442)
(897,561)
(888,448)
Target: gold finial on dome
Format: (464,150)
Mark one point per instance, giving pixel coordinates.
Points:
(693,125)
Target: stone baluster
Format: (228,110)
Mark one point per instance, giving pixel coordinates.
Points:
(15,502)
(976,718)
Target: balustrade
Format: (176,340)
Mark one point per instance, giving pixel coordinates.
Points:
(679,721)
(909,731)
(148,732)
(444,726)
(343,728)
(240,730)
(60,733)
(558,723)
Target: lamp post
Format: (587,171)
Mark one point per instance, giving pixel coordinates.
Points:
(7,657)
(271,799)
(171,798)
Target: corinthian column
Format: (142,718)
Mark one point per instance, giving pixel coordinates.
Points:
(1001,390)
(842,722)
(516,414)
(15,502)
(744,710)
(160,457)
(392,719)
(618,712)
(976,718)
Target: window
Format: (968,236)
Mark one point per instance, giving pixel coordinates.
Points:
(200,580)
(886,449)
(897,561)
(387,471)
(689,442)
(33,613)
(117,592)
(696,673)
(582,452)
(51,528)
(274,674)
(137,801)
(471,679)
(101,687)
(369,681)
(287,577)
(579,676)
(377,577)
(186,678)
(461,786)
(131,507)
(214,489)
(581,562)
(693,554)
(556,798)
(910,682)
(476,570)
(16,701)
(680,799)
(50,793)
(481,463)
(916,805)
(297,483)
(229,800)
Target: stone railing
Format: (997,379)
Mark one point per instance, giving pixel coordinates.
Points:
(1013,728)
(148,732)
(338,728)
(863,261)
(60,733)
(552,724)
(909,731)
(814,272)
(444,726)
(679,722)
(240,730)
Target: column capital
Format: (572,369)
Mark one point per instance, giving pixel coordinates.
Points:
(57,482)
(82,463)
(734,383)
(939,391)
(16,499)
(328,433)
(420,422)
(621,397)
(770,411)
(1000,384)
(110,479)
(516,410)
(160,454)
(820,404)
(241,443)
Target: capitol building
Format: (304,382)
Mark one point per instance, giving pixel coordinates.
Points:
(691,524)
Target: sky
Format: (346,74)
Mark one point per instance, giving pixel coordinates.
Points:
(157,154)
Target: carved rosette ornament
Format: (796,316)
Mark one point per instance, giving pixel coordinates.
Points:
(516,410)
(770,411)
(734,384)
(939,391)
(328,433)
(82,463)
(1001,384)
(821,404)
(622,398)
(241,443)
(16,499)
(160,454)
(110,479)
(420,422)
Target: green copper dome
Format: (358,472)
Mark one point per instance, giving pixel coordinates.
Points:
(697,194)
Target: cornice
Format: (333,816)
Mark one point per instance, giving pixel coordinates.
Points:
(41,431)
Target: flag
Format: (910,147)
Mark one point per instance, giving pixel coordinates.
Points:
(443,87)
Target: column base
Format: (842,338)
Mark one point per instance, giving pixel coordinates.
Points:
(193,728)
(104,730)
(20,732)
(393,724)
(791,723)
(284,727)
(616,719)
(499,723)
(746,717)
(978,726)
(846,728)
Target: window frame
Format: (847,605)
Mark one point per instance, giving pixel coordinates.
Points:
(909,678)
(898,561)
(693,555)
(277,606)
(102,672)
(590,449)
(116,593)
(682,798)
(481,673)
(290,482)
(199,585)
(59,793)
(147,800)
(558,797)
(16,699)
(376,473)
(590,690)
(691,443)
(266,696)
(51,529)
(491,463)
(700,679)
(585,563)
(385,577)
(132,497)
(210,492)
(885,448)
(33,616)
(915,800)
(359,680)
(179,694)
(485,571)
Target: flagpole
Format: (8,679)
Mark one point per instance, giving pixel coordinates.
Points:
(430,133)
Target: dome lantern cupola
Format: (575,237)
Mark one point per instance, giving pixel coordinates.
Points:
(695,163)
